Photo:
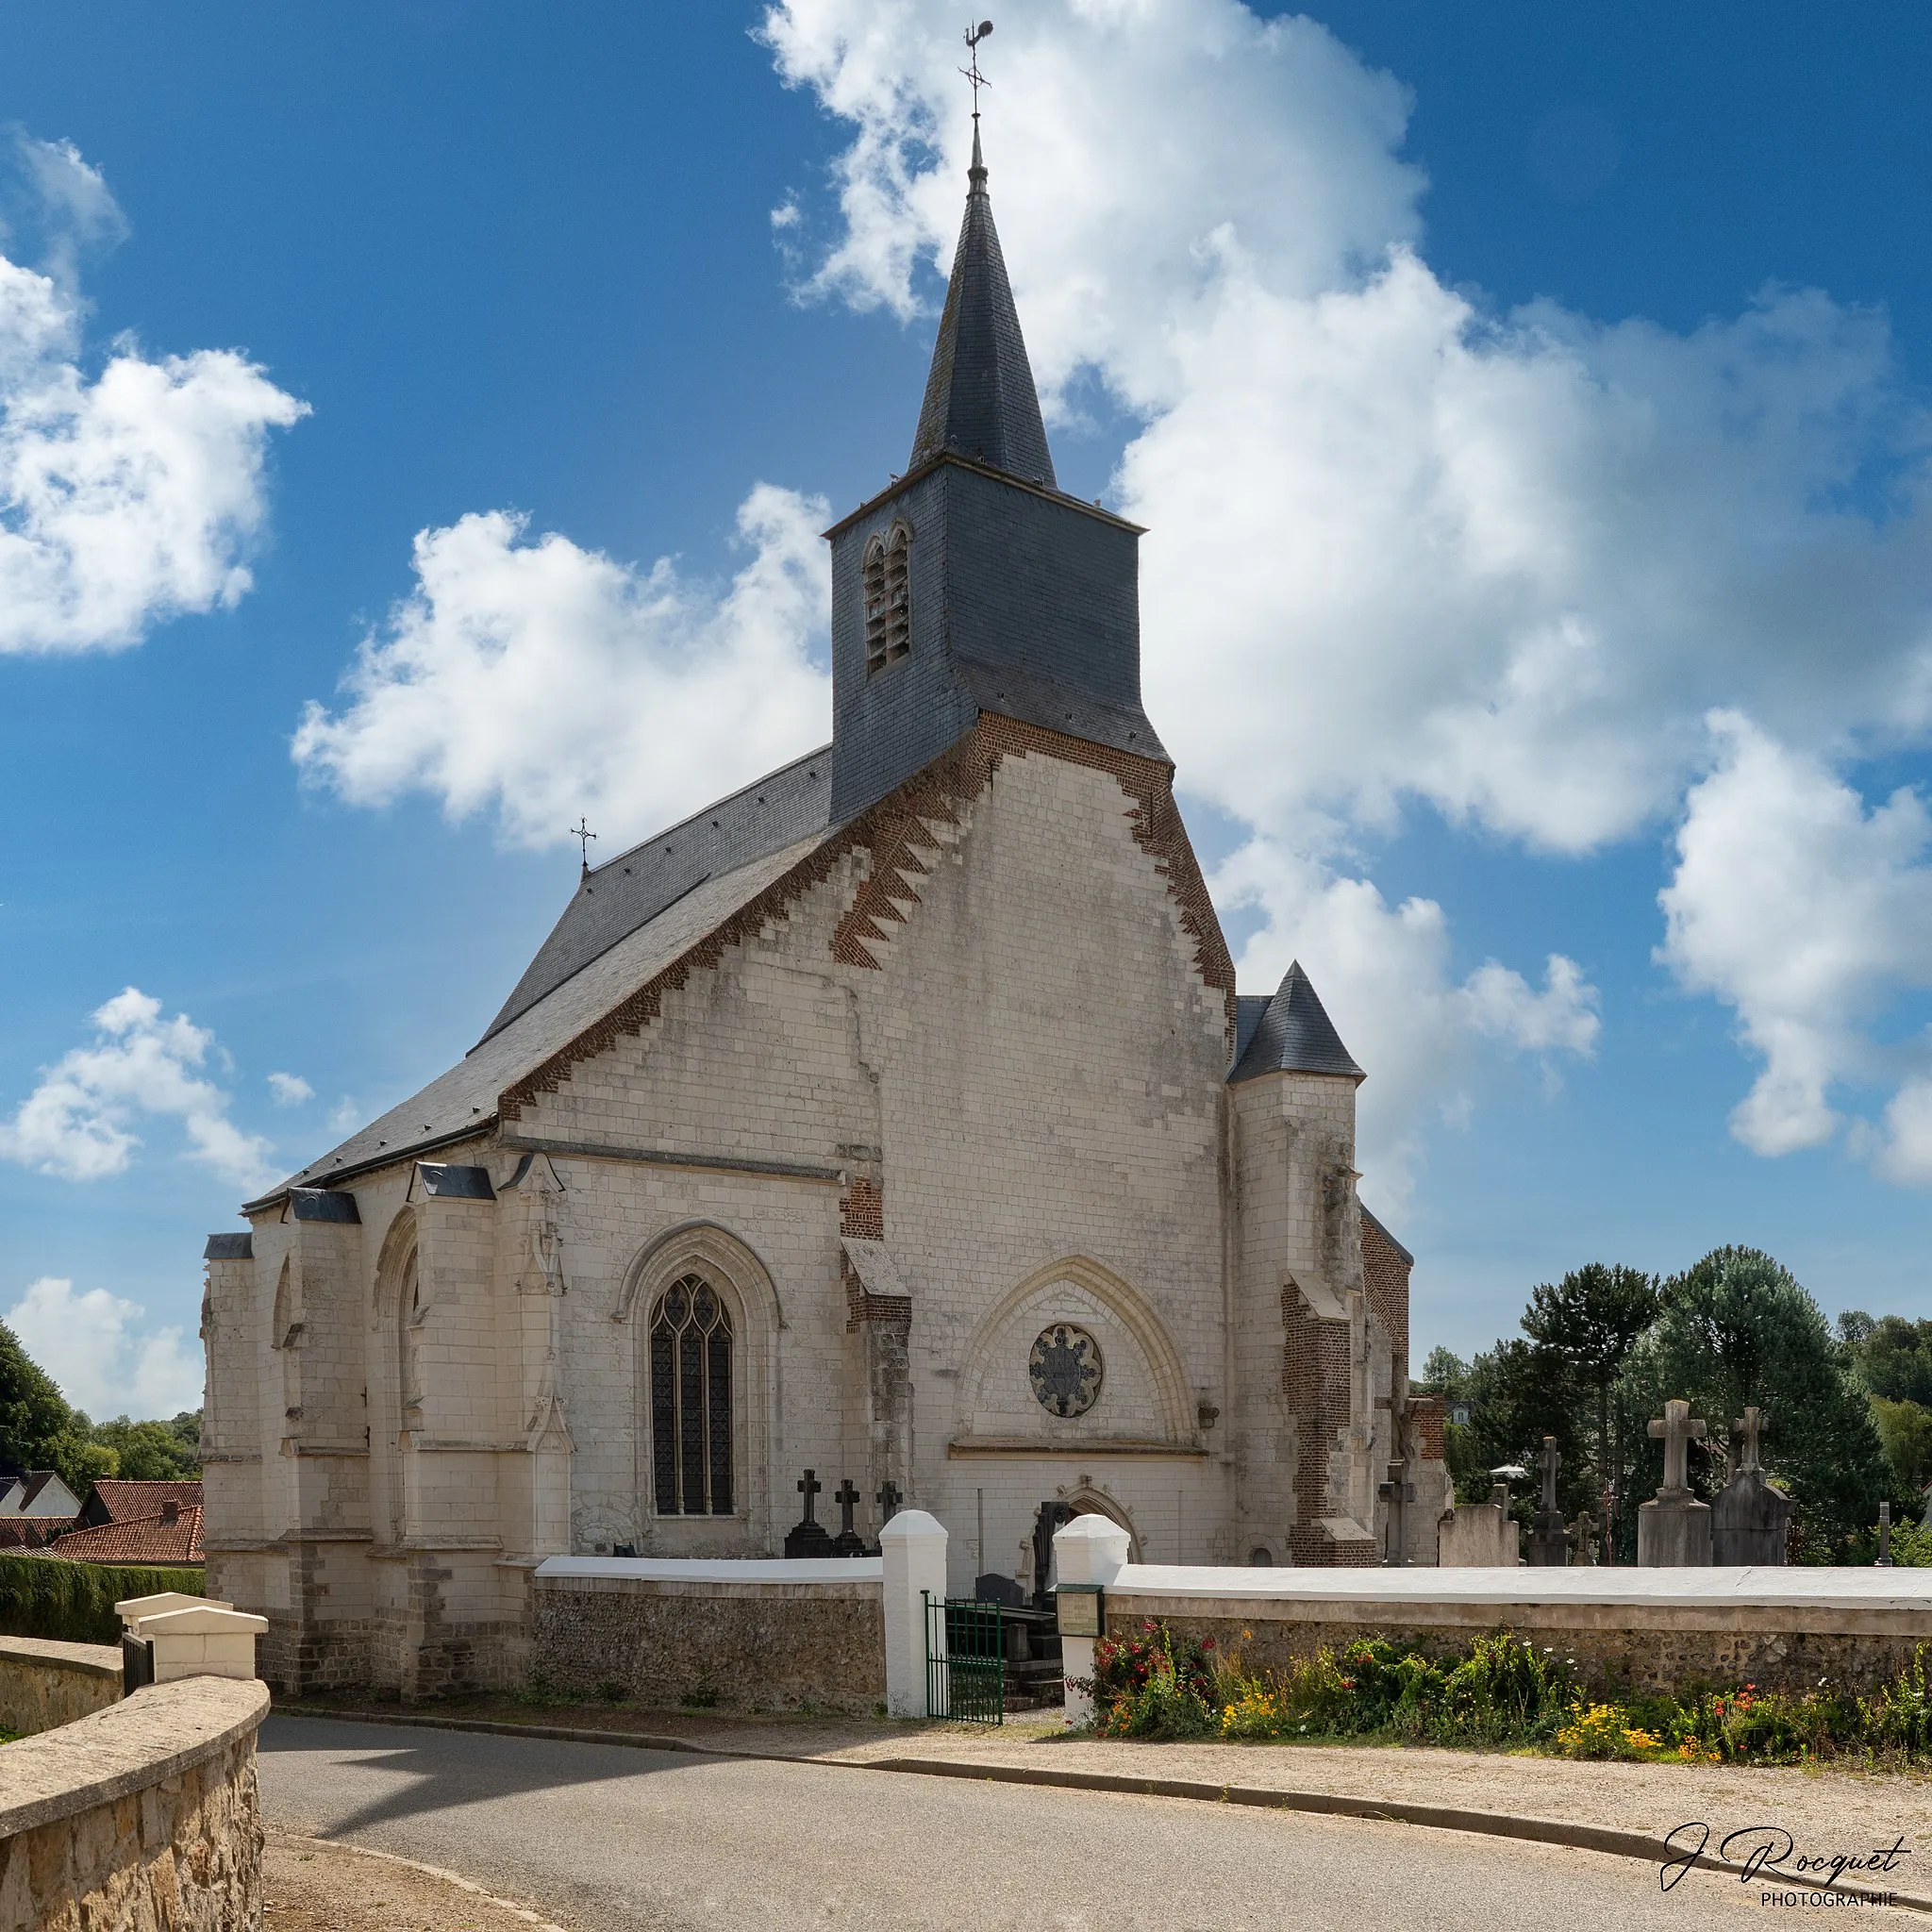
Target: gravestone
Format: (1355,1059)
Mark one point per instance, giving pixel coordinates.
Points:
(1583,1535)
(807,1537)
(848,1542)
(887,1497)
(1549,1535)
(1673,1527)
(1751,1522)
(1884,1536)
(1480,1536)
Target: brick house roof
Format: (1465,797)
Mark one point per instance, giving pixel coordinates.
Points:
(120,1499)
(33,1532)
(162,1538)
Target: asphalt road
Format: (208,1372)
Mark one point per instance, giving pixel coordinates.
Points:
(605,1840)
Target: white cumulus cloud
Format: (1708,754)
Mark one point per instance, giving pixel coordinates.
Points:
(289,1090)
(535,680)
(1809,912)
(1497,563)
(79,1122)
(93,1347)
(1384,974)
(130,495)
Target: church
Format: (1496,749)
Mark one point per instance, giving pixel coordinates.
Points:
(891,1131)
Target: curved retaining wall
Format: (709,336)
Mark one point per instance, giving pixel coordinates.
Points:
(43,1684)
(144,1813)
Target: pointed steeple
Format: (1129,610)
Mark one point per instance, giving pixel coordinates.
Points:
(1295,1036)
(980,402)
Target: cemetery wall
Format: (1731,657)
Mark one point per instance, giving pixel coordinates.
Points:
(45,1684)
(145,1813)
(746,1645)
(1647,1647)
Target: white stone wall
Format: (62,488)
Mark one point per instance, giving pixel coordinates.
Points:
(1033,1075)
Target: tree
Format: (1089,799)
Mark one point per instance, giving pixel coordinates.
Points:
(33,1412)
(1737,1329)
(1591,1319)
(1519,1393)
(1892,1357)
(1446,1374)
(155,1451)
(1905,1430)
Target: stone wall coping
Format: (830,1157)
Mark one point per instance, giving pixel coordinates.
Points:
(158,1733)
(1366,1613)
(92,1659)
(200,1620)
(806,1569)
(1760,1587)
(132,1609)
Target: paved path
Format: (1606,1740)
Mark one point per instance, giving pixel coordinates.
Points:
(605,1840)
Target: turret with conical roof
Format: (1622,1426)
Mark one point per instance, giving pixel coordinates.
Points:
(972,583)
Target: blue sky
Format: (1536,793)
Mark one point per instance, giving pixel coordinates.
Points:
(1526,385)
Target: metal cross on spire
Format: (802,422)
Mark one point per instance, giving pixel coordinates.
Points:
(974,35)
(582,831)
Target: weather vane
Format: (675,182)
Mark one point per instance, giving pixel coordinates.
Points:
(581,830)
(974,35)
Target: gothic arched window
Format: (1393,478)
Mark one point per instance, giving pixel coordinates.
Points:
(888,597)
(691,1400)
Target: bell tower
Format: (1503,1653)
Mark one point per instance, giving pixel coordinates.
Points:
(974,583)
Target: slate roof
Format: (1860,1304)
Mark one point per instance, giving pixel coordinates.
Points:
(462,1102)
(33,1484)
(1375,1222)
(980,401)
(616,898)
(145,1540)
(1292,1034)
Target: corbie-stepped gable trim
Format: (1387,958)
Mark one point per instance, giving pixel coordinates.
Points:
(891,834)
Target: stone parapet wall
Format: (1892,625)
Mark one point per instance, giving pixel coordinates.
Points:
(748,1645)
(43,1685)
(1643,1648)
(143,1814)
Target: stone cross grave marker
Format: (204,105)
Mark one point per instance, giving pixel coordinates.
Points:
(806,1537)
(1585,1532)
(1749,1427)
(1549,1536)
(1549,1461)
(888,1500)
(848,1542)
(1676,1429)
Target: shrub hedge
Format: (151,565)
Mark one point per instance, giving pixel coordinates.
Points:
(73,1603)
(1497,1693)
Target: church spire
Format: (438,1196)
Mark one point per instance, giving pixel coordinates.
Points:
(980,401)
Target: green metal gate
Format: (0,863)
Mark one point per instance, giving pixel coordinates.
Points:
(965,1661)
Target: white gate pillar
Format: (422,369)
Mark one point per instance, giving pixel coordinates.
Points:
(1089,1549)
(913,1546)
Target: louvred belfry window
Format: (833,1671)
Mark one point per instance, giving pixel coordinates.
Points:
(691,1400)
(888,597)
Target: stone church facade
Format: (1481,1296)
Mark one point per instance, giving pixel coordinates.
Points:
(896,1118)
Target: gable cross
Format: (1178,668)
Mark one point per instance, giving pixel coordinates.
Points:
(1550,1461)
(846,1496)
(1676,1430)
(582,832)
(888,1500)
(1750,1426)
(809,1487)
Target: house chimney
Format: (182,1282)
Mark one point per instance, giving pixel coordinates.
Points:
(171,1512)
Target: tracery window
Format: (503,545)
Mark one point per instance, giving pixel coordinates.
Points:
(888,597)
(691,1400)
